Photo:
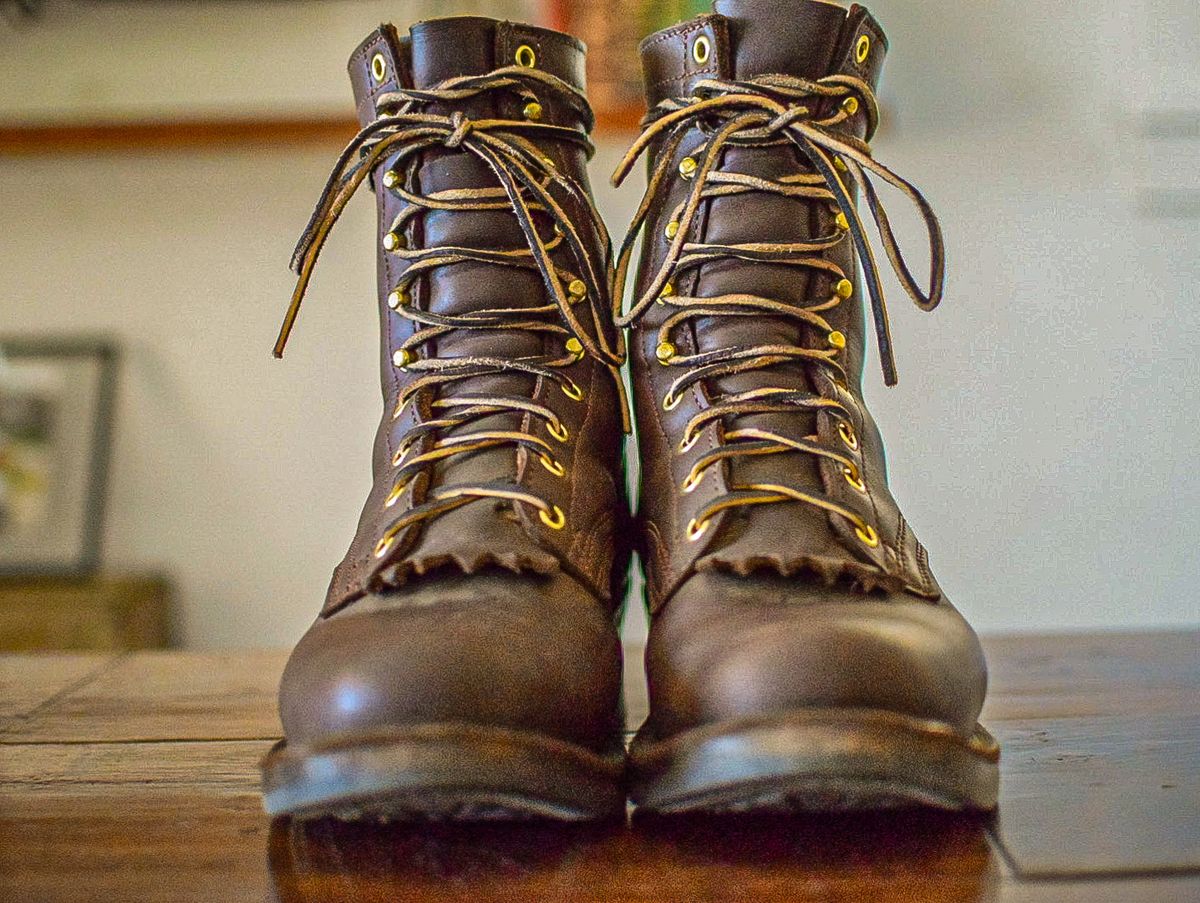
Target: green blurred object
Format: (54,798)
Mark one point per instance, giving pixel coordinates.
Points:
(656,15)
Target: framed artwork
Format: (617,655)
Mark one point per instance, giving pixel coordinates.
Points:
(56,413)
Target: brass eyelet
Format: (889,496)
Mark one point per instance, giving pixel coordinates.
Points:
(395,494)
(686,444)
(401,453)
(840,165)
(696,530)
(850,105)
(861,48)
(841,222)
(671,229)
(837,339)
(555,519)
(667,291)
(572,391)
(385,543)
(555,467)
(846,431)
(701,49)
(671,402)
(867,536)
(664,352)
(844,289)
(378,68)
(854,478)
(687,167)
(692,481)
(525,57)
(532,111)
(558,431)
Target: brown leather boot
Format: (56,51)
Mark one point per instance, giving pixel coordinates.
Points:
(466,662)
(801,655)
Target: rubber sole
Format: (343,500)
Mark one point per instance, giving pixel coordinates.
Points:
(443,772)
(817,761)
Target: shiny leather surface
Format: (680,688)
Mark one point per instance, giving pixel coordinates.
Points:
(777,606)
(484,614)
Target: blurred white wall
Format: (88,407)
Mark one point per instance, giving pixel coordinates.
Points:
(1042,438)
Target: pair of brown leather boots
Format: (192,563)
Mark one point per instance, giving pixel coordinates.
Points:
(467,662)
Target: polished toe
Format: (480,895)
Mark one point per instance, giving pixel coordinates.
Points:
(531,654)
(727,648)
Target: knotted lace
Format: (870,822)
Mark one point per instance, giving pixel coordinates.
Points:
(526,176)
(770,110)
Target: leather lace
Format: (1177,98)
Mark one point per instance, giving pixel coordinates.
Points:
(765,111)
(403,129)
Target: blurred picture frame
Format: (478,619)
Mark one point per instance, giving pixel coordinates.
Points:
(57,402)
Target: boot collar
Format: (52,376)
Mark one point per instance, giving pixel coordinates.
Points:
(745,38)
(439,49)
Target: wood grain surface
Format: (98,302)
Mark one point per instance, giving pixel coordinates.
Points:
(135,778)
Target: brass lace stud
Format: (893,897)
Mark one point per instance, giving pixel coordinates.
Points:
(861,48)
(867,536)
(837,339)
(555,467)
(402,358)
(532,111)
(667,291)
(378,68)
(393,242)
(394,495)
(664,352)
(554,519)
(844,288)
(696,529)
(854,478)
(577,289)
(839,164)
(687,167)
(701,49)
(397,298)
(850,105)
(849,437)
(842,222)
(574,347)
(390,179)
(672,229)
(525,56)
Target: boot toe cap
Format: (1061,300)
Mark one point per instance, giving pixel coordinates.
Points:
(734,648)
(503,651)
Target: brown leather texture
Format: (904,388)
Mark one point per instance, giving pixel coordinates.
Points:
(486,573)
(778,602)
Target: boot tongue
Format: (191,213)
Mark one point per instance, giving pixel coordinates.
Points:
(445,48)
(788,37)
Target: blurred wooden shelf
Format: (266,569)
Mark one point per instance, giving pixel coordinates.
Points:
(95,614)
(214,134)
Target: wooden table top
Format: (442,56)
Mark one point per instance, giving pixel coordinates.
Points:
(134,778)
